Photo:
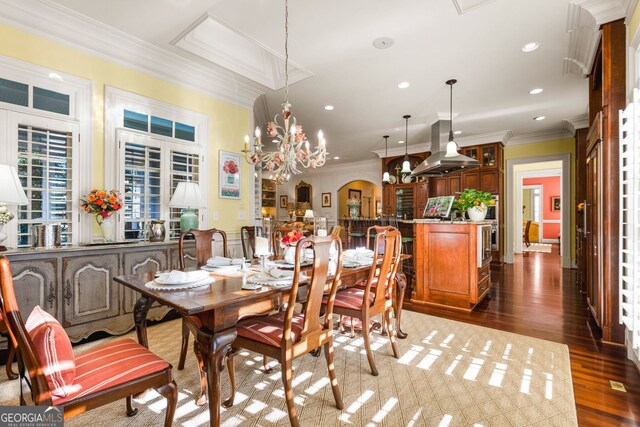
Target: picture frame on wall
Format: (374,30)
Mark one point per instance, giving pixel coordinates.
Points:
(229,173)
(326,200)
(555,203)
(284,200)
(355,194)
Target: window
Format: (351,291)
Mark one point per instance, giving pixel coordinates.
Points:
(156,146)
(42,120)
(629,294)
(45,171)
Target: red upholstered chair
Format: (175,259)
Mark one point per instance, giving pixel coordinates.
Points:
(99,376)
(287,335)
(376,295)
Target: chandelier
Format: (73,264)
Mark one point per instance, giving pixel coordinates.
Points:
(292,146)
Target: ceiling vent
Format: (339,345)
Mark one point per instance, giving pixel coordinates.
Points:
(211,39)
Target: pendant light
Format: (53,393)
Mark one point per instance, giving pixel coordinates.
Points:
(385,175)
(452,147)
(406,165)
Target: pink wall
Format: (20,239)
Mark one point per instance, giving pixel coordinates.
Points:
(550,188)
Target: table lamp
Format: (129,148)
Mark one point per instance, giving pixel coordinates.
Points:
(11,193)
(187,196)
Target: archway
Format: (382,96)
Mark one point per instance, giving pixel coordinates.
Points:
(368,192)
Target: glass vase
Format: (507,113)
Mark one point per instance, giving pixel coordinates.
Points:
(354,211)
(108,228)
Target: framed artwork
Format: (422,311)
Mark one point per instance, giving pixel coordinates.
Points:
(229,175)
(555,203)
(326,200)
(438,207)
(355,194)
(284,200)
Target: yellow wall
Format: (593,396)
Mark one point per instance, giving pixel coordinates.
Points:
(547,148)
(368,207)
(633,22)
(227,123)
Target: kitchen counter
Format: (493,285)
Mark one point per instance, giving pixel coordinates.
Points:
(438,221)
(451,262)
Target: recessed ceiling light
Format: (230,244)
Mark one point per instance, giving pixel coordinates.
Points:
(336,158)
(400,142)
(538,118)
(536,91)
(458,132)
(403,85)
(530,47)
(329,107)
(383,42)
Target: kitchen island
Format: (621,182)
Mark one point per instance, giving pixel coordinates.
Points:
(452,261)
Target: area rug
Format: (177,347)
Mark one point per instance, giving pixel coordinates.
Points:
(538,247)
(449,374)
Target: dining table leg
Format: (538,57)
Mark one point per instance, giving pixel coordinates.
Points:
(140,318)
(401,286)
(214,349)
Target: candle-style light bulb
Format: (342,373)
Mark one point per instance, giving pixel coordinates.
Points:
(246,143)
(257,132)
(320,135)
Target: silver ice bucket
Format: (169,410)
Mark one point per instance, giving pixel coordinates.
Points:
(46,235)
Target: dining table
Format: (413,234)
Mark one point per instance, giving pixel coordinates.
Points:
(218,307)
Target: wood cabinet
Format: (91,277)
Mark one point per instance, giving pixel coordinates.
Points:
(490,181)
(388,200)
(447,271)
(471,179)
(422,195)
(76,286)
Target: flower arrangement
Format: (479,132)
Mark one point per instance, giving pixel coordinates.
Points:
(102,203)
(470,198)
(291,238)
(353,202)
(5,215)
(230,167)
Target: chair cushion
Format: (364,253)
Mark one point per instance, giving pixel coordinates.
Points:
(268,329)
(350,298)
(110,365)
(54,351)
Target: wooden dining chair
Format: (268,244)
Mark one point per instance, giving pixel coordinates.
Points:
(11,351)
(375,297)
(79,383)
(248,239)
(203,240)
(288,334)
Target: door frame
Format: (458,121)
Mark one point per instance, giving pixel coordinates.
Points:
(540,223)
(514,199)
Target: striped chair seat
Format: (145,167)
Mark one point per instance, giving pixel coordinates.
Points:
(110,365)
(350,298)
(269,329)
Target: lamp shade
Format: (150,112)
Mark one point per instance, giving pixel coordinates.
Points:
(187,195)
(11,192)
(308,214)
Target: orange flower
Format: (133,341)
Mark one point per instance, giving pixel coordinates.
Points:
(113,199)
(102,194)
(91,198)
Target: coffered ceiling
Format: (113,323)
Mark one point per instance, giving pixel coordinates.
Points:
(334,61)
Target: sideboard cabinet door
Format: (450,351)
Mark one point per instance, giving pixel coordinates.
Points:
(140,262)
(88,290)
(35,283)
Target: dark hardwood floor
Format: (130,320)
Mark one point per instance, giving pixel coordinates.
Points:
(537,298)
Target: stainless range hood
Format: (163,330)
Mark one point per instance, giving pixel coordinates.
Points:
(437,164)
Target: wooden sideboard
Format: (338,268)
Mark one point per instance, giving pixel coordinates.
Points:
(75,284)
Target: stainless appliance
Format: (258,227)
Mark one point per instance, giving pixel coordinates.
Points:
(484,244)
(493,216)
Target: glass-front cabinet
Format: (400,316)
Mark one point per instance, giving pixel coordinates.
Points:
(404,201)
(489,156)
(471,152)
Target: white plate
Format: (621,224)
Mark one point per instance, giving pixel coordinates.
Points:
(180,286)
(192,277)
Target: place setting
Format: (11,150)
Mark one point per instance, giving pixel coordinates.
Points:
(223,266)
(176,280)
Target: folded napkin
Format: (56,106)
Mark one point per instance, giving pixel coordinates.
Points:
(359,252)
(276,273)
(220,261)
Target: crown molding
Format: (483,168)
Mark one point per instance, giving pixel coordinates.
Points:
(584,36)
(572,124)
(604,10)
(462,141)
(529,138)
(78,31)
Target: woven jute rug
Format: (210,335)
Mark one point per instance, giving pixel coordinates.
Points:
(449,374)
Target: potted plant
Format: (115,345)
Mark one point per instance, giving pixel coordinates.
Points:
(474,203)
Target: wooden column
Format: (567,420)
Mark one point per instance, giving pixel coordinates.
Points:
(613,100)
